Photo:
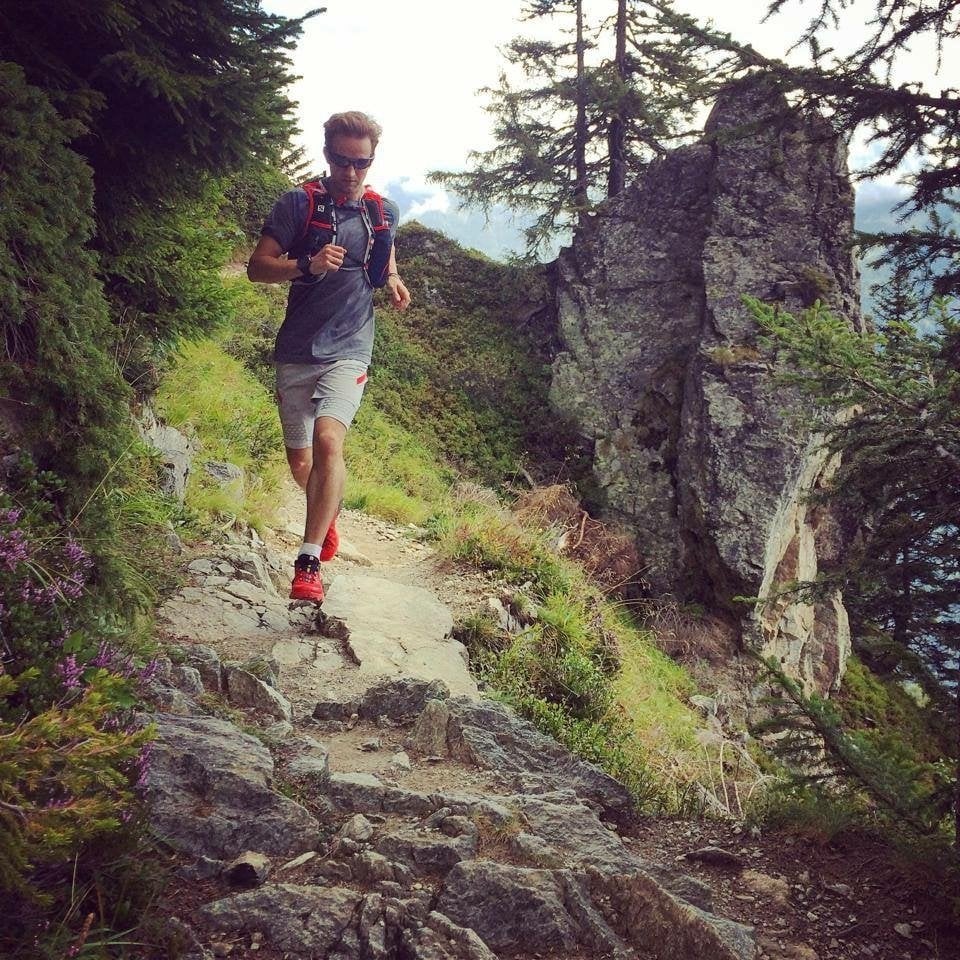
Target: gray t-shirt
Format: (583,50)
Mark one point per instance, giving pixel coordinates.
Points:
(332,318)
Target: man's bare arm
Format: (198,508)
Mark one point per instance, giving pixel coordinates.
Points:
(399,295)
(269,265)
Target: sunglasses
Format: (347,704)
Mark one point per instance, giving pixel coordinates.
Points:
(339,160)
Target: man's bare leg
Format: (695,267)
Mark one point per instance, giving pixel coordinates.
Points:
(326,479)
(301,463)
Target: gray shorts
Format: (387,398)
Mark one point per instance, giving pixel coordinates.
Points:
(306,391)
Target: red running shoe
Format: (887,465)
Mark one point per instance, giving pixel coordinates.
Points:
(307,584)
(331,542)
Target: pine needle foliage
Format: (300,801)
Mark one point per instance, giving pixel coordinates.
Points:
(807,734)
(53,313)
(574,118)
(887,404)
(163,96)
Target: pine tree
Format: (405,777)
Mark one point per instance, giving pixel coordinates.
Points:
(57,370)
(165,96)
(809,737)
(889,405)
(569,137)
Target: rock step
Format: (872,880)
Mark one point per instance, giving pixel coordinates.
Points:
(417,874)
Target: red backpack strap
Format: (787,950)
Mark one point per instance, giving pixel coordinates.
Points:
(319,208)
(375,210)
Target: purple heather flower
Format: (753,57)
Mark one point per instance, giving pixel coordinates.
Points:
(149,672)
(11,516)
(142,765)
(13,548)
(75,553)
(71,587)
(105,655)
(70,672)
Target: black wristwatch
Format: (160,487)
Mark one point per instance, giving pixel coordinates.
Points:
(303,265)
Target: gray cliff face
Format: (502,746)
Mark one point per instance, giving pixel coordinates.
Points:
(696,448)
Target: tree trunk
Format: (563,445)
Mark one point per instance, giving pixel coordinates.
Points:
(580,126)
(617,174)
(956,779)
(903,604)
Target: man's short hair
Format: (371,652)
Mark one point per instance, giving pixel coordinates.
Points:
(353,123)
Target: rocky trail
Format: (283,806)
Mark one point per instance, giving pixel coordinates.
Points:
(335,785)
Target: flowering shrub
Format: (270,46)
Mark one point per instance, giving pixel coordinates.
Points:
(69,776)
(72,756)
(44,625)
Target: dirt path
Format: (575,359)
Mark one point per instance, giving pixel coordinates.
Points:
(391,603)
(386,550)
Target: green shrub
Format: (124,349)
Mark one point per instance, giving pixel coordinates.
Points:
(250,193)
(883,771)
(868,702)
(71,754)
(58,360)
(819,815)
(256,313)
(467,359)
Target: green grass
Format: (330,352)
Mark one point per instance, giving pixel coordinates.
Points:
(584,672)
(463,368)
(392,473)
(871,703)
(231,417)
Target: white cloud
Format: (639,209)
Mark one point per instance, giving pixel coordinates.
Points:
(439,202)
(415,66)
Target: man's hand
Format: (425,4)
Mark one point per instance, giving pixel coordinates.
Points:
(327,258)
(399,294)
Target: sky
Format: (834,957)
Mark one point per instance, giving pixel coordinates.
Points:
(417,67)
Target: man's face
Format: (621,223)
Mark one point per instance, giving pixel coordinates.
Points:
(348,181)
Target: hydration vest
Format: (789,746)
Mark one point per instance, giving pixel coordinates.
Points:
(320,229)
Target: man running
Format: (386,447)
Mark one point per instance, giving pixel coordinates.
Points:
(324,345)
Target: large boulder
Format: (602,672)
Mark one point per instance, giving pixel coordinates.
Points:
(209,789)
(696,447)
(493,737)
(566,911)
(306,921)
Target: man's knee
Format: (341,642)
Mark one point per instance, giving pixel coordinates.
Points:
(328,436)
(301,462)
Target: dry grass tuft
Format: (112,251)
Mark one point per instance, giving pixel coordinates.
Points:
(687,634)
(610,558)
